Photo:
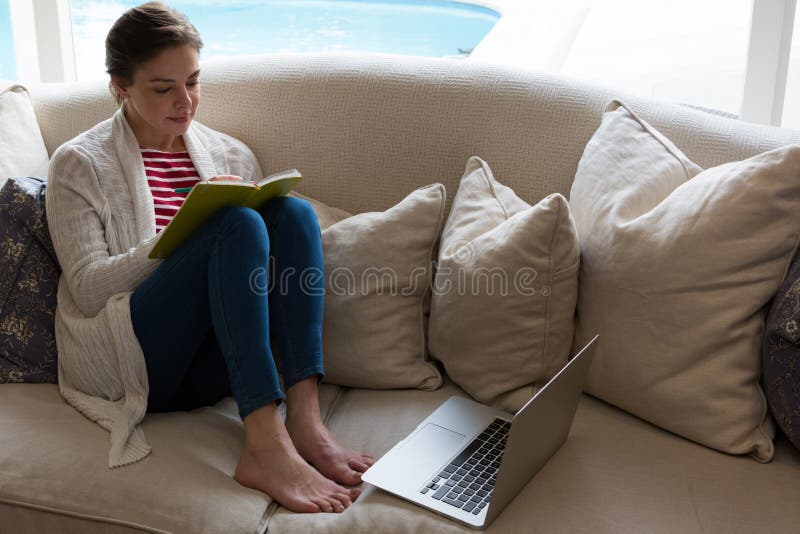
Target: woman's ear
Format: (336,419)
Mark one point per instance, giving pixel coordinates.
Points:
(120,86)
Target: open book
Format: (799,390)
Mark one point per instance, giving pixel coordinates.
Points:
(207,198)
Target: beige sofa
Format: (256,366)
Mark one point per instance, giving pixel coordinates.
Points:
(366,130)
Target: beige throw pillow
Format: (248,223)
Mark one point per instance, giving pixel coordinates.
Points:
(678,264)
(326,215)
(504,296)
(377,278)
(22,150)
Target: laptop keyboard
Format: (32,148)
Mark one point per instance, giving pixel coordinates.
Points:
(468,481)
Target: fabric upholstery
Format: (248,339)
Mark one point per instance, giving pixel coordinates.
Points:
(26,518)
(29,274)
(781,355)
(377,282)
(504,295)
(678,265)
(615,473)
(366,129)
(22,149)
(53,460)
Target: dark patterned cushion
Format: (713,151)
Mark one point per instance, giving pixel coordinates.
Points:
(781,355)
(29,273)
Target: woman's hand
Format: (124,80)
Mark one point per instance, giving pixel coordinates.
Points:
(226,178)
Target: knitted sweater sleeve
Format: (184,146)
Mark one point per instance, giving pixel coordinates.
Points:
(240,158)
(77,211)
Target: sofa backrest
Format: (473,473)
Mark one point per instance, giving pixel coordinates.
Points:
(366,129)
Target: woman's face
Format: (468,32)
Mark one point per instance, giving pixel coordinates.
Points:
(165,93)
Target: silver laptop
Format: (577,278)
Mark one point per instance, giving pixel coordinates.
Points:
(467,461)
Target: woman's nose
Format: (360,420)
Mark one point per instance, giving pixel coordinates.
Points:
(184,101)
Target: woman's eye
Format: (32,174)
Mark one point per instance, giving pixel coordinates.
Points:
(162,91)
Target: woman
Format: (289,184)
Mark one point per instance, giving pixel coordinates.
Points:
(137,335)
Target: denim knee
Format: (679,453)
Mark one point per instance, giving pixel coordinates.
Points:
(243,220)
(297,212)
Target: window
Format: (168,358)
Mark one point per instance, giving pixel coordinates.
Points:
(8,63)
(91,21)
(682,51)
(430,27)
(791,104)
(685,51)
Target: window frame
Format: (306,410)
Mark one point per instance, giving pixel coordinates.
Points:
(43,47)
(45,51)
(767,66)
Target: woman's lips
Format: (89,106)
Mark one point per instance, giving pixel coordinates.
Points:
(180,120)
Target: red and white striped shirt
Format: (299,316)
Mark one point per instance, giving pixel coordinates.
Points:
(167,171)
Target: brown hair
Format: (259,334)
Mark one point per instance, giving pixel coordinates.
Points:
(140,34)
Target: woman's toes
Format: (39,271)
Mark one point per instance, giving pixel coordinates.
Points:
(323,504)
(354,493)
(350,478)
(333,503)
(336,506)
(344,499)
(357,465)
(310,507)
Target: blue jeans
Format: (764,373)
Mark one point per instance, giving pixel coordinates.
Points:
(205,317)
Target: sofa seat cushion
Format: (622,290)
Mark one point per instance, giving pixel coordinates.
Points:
(52,470)
(615,473)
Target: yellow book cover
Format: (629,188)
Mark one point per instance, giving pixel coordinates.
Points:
(206,198)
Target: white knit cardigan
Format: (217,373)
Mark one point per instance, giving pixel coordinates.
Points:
(101,218)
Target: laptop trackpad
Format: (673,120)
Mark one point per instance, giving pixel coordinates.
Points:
(431,447)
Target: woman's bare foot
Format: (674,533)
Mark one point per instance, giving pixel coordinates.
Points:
(271,464)
(314,442)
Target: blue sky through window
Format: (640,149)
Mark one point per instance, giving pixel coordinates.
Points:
(8,65)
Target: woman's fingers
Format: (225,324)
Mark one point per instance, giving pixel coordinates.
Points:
(226,178)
